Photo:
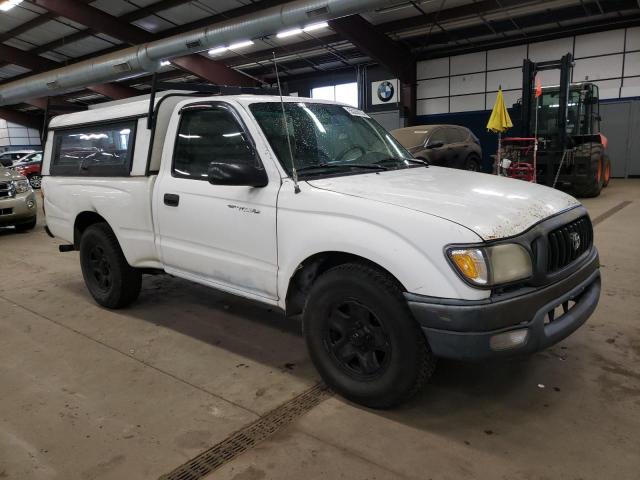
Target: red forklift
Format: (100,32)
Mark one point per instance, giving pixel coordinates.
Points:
(571,151)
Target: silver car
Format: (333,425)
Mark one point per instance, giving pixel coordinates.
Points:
(18,206)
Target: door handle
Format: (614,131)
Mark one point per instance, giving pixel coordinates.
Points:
(171,199)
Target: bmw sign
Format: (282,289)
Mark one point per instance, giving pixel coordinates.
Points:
(384,92)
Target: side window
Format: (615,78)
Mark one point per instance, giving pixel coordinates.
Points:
(438,137)
(455,135)
(104,150)
(207,134)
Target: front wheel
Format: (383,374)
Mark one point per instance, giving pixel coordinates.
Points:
(112,282)
(363,339)
(472,163)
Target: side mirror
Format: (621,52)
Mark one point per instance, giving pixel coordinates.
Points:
(237,174)
(435,145)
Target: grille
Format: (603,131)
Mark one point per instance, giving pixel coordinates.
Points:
(6,189)
(6,211)
(567,243)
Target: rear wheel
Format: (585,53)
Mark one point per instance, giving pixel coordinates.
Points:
(35,180)
(112,282)
(594,154)
(607,171)
(363,339)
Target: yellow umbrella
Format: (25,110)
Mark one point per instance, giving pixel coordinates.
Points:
(499,122)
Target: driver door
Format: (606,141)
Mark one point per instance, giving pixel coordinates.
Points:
(224,236)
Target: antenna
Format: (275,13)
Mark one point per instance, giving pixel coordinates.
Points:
(294,172)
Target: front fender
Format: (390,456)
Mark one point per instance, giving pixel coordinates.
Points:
(406,243)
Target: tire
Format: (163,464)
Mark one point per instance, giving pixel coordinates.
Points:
(607,171)
(30,225)
(472,164)
(363,339)
(112,282)
(593,186)
(35,180)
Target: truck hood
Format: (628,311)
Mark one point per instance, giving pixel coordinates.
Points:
(493,207)
(7,175)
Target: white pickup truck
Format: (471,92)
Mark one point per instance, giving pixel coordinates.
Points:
(391,262)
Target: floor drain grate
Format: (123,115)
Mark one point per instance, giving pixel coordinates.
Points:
(249,436)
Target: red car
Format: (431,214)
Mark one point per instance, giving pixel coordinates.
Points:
(29,166)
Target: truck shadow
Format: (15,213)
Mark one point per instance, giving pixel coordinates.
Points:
(460,394)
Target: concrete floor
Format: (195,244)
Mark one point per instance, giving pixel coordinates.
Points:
(87,393)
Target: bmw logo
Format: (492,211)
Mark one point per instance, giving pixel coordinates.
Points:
(385,91)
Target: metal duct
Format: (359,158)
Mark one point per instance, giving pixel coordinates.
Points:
(146,58)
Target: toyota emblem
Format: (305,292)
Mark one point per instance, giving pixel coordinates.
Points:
(575,240)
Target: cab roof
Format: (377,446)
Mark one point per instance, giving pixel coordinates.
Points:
(139,107)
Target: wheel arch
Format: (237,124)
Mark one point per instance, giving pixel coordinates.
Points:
(315,265)
(83,221)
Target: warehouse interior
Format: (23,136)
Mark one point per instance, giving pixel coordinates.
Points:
(190,382)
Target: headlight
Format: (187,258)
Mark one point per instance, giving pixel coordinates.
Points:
(22,186)
(489,266)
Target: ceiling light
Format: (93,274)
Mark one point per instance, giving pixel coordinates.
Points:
(289,33)
(218,50)
(165,63)
(9,4)
(315,26)
(236,46)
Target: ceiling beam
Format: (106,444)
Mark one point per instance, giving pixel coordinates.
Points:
(21,118)
(25,59)
(114,91)
(392,55)
(100,21)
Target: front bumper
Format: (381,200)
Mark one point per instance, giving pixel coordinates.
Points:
(463,330)
(16,210)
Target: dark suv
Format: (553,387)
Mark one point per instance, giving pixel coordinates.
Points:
(444,145)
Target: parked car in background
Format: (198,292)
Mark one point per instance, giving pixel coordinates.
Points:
(29,166)
(443,145)
(8,158)
(17,201)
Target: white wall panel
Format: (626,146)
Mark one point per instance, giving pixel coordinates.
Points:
(467,103)
(549,78)
(551,49)
(631,87)
(597,68)
(632,64)
(633,39)
(437,87)
(470,63)
(506,57)
(609,88)
(510,98)
(433,68)
(507,78)
(599,43)
(473,83)
(433,106)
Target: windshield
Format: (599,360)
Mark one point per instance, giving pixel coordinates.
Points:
(329,139)
(548,111)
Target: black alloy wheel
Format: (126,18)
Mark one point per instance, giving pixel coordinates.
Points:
(357,340)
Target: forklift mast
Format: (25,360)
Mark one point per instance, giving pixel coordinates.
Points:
(529,72)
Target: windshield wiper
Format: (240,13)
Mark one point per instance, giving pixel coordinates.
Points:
(400,160)
(363,166)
